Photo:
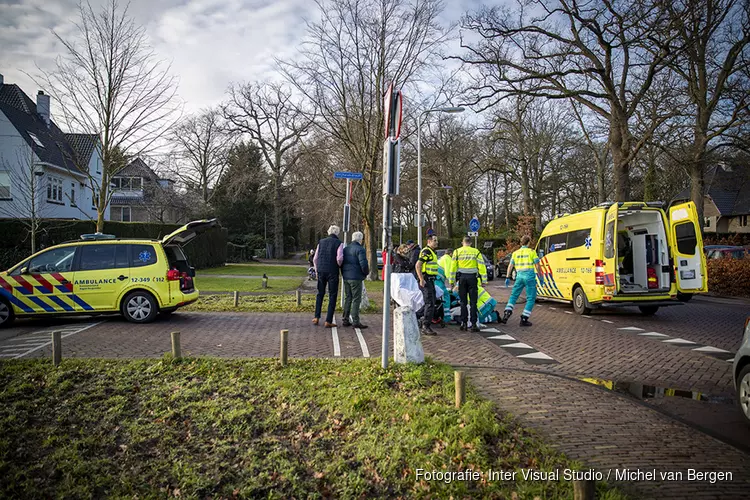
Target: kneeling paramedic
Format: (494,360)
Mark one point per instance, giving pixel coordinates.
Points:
(526,262)
(427,271)
(468,268)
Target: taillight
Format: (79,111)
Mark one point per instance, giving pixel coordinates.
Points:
(173,275)
(599,272)
(653,281)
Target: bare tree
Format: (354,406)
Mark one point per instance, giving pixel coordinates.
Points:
(714,68)
(267,113)
(201,145)
(347,60)
(603,55)
(24,200)
(108,81)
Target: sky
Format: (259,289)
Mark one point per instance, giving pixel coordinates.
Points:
(209,43)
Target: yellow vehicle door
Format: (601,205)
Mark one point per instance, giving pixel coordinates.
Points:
(43,284)
(607,273)
(102,271)
(687,248)
(144,272)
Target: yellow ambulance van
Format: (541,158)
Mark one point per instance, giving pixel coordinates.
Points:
(623,254)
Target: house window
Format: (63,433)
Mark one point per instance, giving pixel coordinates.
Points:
(94,198)
(707,222)
(4,185)
(128,183)
(125,217)
(36,140)
(54,189)
(73,194)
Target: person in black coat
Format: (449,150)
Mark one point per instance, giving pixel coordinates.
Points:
(355,269)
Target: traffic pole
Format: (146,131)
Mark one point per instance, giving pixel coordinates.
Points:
(347,208)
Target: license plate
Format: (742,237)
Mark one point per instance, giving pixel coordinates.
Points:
(687,275)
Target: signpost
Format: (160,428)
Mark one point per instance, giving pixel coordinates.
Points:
(474,229)
(349,176)
(391,173)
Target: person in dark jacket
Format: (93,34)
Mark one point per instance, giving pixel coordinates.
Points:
(355,270)
(328,259)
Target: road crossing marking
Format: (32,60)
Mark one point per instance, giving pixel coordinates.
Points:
(362,343)
(677,341)
(608,321)
(631,329)
(37,337)
(708,348)
(653,334)
(534,355)
(336,346)
(501,337)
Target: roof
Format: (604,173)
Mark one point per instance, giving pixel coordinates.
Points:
(54,146)
(728,187)
(138,168)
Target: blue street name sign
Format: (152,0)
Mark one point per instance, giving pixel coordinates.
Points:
(347,175)
(474,224)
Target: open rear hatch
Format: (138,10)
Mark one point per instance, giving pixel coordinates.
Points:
(179,267)
(188,232)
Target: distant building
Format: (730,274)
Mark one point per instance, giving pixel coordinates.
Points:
(726,206)
(36,156)
(140,195)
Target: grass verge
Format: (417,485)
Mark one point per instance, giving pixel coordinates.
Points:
(257,270)
(264,303)
(249,428)
(212,284)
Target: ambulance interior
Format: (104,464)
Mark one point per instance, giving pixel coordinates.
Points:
(642,252)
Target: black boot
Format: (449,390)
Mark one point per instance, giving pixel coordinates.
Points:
(525,321)
(475,328)
(427,330)
(463,327)
(506,316)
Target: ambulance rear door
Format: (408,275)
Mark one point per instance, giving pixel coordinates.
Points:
(687,249)
(609,271)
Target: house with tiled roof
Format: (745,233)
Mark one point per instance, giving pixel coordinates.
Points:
(140,195)
(726,206)
(37,157)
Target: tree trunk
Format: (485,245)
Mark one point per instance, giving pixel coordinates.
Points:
(601,192)
(697,170)
(101,207)
(525,189)
(278,223)
(371,239)
(619,143)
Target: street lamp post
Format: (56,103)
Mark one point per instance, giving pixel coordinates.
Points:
(419,163)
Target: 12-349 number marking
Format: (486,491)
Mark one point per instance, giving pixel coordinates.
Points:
(146,280)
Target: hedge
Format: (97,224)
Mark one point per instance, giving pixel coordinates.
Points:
(207,250)
(729,277)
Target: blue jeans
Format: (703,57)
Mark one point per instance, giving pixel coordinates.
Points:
(524,279)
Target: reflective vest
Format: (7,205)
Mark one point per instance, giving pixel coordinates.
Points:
(524,259)
(445,264)
(429,261)
(468,260)
(482,297)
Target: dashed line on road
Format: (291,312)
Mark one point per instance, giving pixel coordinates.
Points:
(362,343)
(631,329)
(608,321)
(336,345)
(517,349)
(714,352)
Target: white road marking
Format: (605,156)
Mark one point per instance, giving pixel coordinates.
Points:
(652,334)
(568,312)
(535,355)
(589,317)
(362,343)
(519,345)
(608,321)
(491,330)
(730,360)
(709,348)
(553,308)
(336,346)
(49,342)
(501,337)
(632,329)
(677,341)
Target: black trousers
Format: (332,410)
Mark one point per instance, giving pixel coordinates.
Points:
(332,280)
(428,292)
(467,286)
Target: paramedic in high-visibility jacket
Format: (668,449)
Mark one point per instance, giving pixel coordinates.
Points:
(468,269)
(526,262)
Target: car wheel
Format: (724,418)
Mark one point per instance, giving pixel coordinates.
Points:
(6,314)
(579,301)
(648,310)
(743,392)
(139,307)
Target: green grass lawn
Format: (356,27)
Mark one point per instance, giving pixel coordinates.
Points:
(264,303)
(256,270)
(201,428)
(213,284)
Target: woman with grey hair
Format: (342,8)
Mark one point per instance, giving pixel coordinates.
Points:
(355,270)
(329,255)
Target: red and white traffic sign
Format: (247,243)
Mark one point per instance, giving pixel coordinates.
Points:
(393,111)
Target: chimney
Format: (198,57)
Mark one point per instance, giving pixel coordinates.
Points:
(42,106)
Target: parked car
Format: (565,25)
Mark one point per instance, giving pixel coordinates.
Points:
(490,268)
(502,267)
(724,252)
(380,258)
(741,372)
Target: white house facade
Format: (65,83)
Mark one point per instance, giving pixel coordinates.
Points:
(44,172)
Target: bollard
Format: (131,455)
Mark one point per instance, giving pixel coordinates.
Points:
(236,298)
(460,388)
(299,298)
(584,489)
(284,344)
(264,283)
(176,351)
(56,348)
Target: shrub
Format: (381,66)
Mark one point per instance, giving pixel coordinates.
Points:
(729,277)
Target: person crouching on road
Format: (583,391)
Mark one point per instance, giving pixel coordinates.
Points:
(328,259)
(468,269)
(355,270)
(526,262)
(427,272)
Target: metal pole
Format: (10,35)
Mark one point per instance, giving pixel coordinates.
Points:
(387,285)
(419,180)
(346,202)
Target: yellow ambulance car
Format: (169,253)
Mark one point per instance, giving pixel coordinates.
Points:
(623,254)
(99,273)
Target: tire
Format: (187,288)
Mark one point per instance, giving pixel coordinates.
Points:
(139,307)
(6,314)
(684,297)
(743,392)
(648,310)
(579,301)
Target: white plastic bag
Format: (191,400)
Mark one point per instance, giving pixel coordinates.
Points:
(405,291)
(365,302)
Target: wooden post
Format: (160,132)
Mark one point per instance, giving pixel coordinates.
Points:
(584,489)
(299,298)
(284,345)
(264,283)
(176,351)
(460,388)
(236,298)
(56,348)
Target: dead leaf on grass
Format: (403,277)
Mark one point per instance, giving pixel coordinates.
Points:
(406,417)
(319,475)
